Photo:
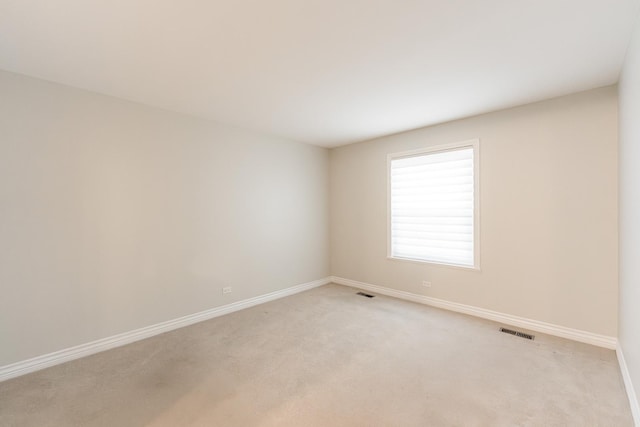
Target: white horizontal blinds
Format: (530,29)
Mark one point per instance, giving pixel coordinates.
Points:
(432,205)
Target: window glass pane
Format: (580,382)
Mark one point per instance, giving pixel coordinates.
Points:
(432,207)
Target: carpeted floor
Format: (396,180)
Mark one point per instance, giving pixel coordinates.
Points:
(328,357)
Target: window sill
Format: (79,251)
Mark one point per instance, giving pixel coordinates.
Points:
(435,264)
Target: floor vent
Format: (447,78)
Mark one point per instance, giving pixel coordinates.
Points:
(365,295)
(516,333)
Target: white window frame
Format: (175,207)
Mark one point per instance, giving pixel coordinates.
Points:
(473,143)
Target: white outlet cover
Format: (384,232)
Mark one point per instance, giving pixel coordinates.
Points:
(426,283)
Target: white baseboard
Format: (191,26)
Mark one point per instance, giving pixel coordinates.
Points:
(628,385)
(26,366)
(534,325)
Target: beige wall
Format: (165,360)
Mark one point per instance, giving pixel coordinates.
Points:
(548,179)
(629,320)
(116,216)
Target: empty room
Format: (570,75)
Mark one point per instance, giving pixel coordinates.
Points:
(320,213)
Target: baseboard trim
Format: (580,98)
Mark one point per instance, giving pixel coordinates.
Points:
(628,385)
(534,325)
(41,362)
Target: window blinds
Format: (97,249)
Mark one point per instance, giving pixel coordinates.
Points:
(432,207)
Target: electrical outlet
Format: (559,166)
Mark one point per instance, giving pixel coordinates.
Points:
(426,283)
(226,290)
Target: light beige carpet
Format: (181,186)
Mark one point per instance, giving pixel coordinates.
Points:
(328,357)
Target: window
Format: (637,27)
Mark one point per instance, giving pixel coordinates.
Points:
(433,205)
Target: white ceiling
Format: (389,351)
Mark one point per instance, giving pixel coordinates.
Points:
(326,72)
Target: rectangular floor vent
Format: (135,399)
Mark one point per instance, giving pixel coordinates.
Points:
(365,295)
(516,333)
